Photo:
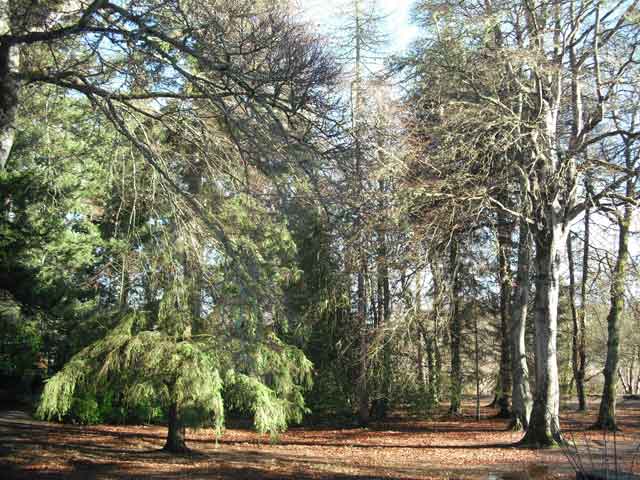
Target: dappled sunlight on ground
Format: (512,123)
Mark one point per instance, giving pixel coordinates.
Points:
(400,448)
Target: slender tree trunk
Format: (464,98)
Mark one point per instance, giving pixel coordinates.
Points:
(522,402)
(578,353)
(578,370)
(437,371)
(124,284)
(422,379)
(477,364)
(385,294)
(363,388)
(544,426)
(632,365)
(455,331)
(9,89)
(582,314)
(636,388)
(625,387)
(434,355)
(175,431)
(356,103)
(191,261)
(607,413)
(430,365)
(503,394)
(422,375)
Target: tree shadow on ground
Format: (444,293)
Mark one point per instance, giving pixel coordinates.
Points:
(82,469)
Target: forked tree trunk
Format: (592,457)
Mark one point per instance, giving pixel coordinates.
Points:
(175,431)
(521,402)
(544,426)
(607,413)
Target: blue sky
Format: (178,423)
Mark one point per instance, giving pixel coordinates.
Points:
(324,14)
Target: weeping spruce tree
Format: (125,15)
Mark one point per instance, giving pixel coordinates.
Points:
(177,354)
(160,359)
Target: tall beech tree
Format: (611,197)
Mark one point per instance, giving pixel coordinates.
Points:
(631,154)
(521,399)
(505,97)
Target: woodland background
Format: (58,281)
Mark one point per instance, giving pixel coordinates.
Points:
(213,209)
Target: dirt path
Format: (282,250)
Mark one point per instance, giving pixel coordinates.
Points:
(398,449)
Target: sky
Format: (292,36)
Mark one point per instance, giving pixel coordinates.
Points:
(324,14)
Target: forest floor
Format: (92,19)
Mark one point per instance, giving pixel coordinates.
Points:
(400,448)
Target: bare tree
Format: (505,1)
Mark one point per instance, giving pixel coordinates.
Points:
(505,115)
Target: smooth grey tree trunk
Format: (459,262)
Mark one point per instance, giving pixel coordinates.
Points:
(544,426)
(521,401)
(607,412)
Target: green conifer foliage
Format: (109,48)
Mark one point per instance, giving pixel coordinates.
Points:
(186,372)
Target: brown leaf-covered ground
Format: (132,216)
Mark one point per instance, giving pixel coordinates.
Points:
(401,448)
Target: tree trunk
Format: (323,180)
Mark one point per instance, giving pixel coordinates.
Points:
(477,364)
(503,394)
(607,413)
(124,284)
(577,333)
(175,432)
(193,275)
(9,89)
(578,352)
(363,390)
(422,379)
(385,291)
(356,104)
(582,315)
(544,426)
(455,330)
(434,356)
(521,407)
(636,388)
(632,376)
(625,387)
(437,371)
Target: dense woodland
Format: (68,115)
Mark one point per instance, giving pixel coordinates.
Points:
(215,209)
